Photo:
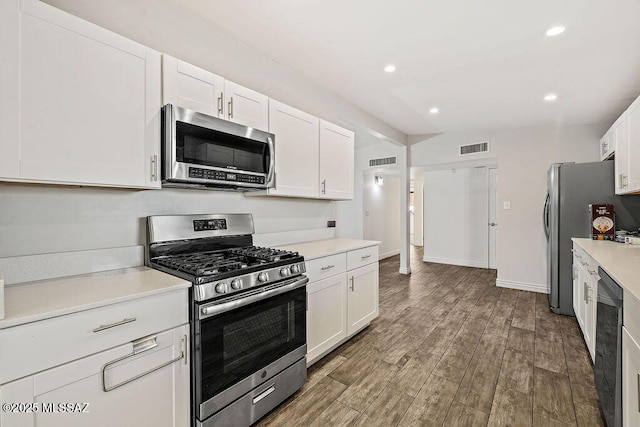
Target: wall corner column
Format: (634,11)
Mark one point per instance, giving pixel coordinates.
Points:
(405,187)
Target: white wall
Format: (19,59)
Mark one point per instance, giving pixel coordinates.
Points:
(382,212)
(456,216)
(38,219)
(350,213)
(418,208)
(523,157)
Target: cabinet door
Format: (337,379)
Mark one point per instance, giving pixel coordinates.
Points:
(159,398)
(579,295)
(83,104)
(336,161)
(187,86)
(630,380)
(245,106)
(326,315)
(577,289)
(591,310)
(621,137)
(362,297)
(633,144)
(296,145)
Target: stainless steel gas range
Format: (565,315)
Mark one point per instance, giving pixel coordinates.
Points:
(248,314)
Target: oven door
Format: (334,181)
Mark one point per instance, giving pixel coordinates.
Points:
(206,150)
(243,341)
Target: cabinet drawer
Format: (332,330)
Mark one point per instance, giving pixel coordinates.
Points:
(584,259)
(41,345)
(360,257)
(328,266)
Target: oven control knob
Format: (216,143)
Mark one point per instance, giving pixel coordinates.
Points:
(295,269)
(236,284)
(262,277)
(284,272)
(221,288)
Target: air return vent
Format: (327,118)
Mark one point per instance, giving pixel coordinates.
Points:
(479,147)
(385,161)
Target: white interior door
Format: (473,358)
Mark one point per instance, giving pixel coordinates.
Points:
(493,215)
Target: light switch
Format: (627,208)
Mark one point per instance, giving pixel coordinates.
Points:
(507,205)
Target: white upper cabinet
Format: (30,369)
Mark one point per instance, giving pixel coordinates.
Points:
(633,140)
(245,106)
(187,86)
(625,134)
(297,154)
(79,104)
(336,161)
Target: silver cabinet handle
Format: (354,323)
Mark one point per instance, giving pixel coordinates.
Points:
(113,325)
(139,346)
(324,186)
(221,104)
(493,224)
(230,107)
(585,291)
(154,167)
(352,278)
(365,256)
(328,267)
(264,394)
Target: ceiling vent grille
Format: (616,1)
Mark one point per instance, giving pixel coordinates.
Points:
(477,148)
(384,161)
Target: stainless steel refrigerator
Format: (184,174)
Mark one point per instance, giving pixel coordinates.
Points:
(571,188)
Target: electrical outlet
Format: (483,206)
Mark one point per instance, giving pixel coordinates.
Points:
(331,224)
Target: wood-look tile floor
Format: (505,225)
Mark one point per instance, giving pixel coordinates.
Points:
(451,349)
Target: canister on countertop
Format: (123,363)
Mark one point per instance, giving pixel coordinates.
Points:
(602,222)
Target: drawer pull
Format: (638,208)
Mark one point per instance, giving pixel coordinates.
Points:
(139,346)
(366,256)
(113,325)
(328,267)
(264,394)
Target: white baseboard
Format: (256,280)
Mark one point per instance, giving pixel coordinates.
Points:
(404,270)
(462,262)
(522,286)
(388,254)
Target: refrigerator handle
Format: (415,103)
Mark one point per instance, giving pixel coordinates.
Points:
(545,217)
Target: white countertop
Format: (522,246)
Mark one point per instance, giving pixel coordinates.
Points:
(322,248)
(621,261)
(30,302)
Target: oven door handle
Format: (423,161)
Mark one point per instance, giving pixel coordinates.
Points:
(213,309)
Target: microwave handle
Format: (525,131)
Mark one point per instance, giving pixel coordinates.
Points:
(272,159)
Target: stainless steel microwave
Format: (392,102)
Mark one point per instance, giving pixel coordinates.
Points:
(200,151)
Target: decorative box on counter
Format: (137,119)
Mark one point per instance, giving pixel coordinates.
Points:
(602,222)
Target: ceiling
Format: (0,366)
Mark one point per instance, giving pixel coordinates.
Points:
(485,64)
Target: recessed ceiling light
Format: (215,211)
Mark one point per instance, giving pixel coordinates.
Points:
(555,31)
(390,68)
(434,110)
(551,97)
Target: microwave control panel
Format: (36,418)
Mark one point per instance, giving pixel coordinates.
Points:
(225,176)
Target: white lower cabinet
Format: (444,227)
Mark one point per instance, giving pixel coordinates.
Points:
(326,315)
(148,388)
(630,380)
(585,297)
(340,301)
(124,364)
(362,301)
